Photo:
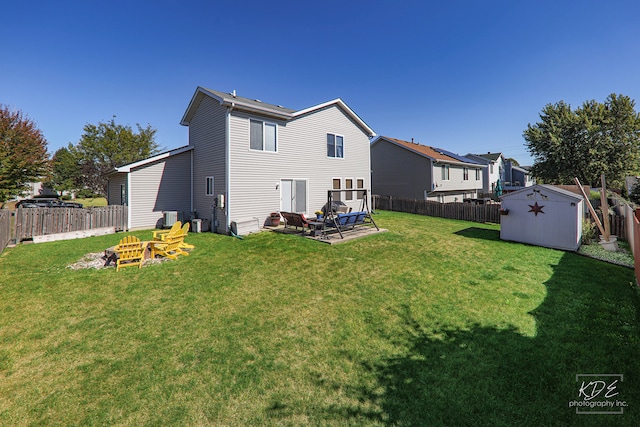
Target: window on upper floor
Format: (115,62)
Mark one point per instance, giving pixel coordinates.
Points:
(465,174)
(477,174)
(335,146)
(445,172)
(262,136)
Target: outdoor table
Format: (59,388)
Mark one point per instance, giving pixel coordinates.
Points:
(316,228)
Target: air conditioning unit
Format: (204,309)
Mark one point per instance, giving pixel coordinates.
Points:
(242,227)
(169,218)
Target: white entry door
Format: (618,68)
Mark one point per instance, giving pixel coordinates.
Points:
(293,195)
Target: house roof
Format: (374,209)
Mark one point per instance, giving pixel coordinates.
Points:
(547,187)
(432,153)
(127,168)
(234,101)
(458,156)
(521,169)
(490,156)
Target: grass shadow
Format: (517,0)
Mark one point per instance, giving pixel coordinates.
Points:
(483,375)
(479,233)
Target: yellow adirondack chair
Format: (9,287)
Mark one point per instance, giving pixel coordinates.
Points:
(130,252)
(182,234)
(160,234)
(169,247)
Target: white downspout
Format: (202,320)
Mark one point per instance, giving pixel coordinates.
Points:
(191,183)
(227,210)
(129,198)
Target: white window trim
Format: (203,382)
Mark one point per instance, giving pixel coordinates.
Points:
(353,189)
(357,189)
(465,174)
(334,146)
(264,123)
(339,179)
(206,186)
(336,189)
(446,176)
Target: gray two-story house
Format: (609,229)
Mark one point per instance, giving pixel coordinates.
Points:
(248,158)
(414,171)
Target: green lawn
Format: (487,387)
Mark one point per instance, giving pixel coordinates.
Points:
(87,203)
(436,322)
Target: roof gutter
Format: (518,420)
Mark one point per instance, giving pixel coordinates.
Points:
(240,106)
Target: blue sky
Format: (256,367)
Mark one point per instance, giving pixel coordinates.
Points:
(467,76)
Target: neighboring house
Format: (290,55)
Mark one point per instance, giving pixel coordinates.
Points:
(494,171)
(413,171)
(247,158)
(36,189)
(516,177)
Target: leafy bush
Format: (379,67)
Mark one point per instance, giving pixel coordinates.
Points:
(588,231)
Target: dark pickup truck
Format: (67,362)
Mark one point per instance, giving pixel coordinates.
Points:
(46,203)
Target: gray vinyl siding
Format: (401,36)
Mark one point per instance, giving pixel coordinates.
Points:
(401,173)
(160,186)
(207,131)
(113,187)
(398,172)
(456,180)
(301,154)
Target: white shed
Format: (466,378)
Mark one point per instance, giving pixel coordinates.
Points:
(543,215)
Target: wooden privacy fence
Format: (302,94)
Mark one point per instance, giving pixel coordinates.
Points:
(5,228)
(636,243)
(30,222)
(488,212)
(618,225)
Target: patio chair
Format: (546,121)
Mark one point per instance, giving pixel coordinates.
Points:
(130,252)
(296,220)
(160,234)
(169,247)
(182,234)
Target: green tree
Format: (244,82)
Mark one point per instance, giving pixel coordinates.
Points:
(513,161)
(594,139)
(66,172)
(105,146)
(23,153)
